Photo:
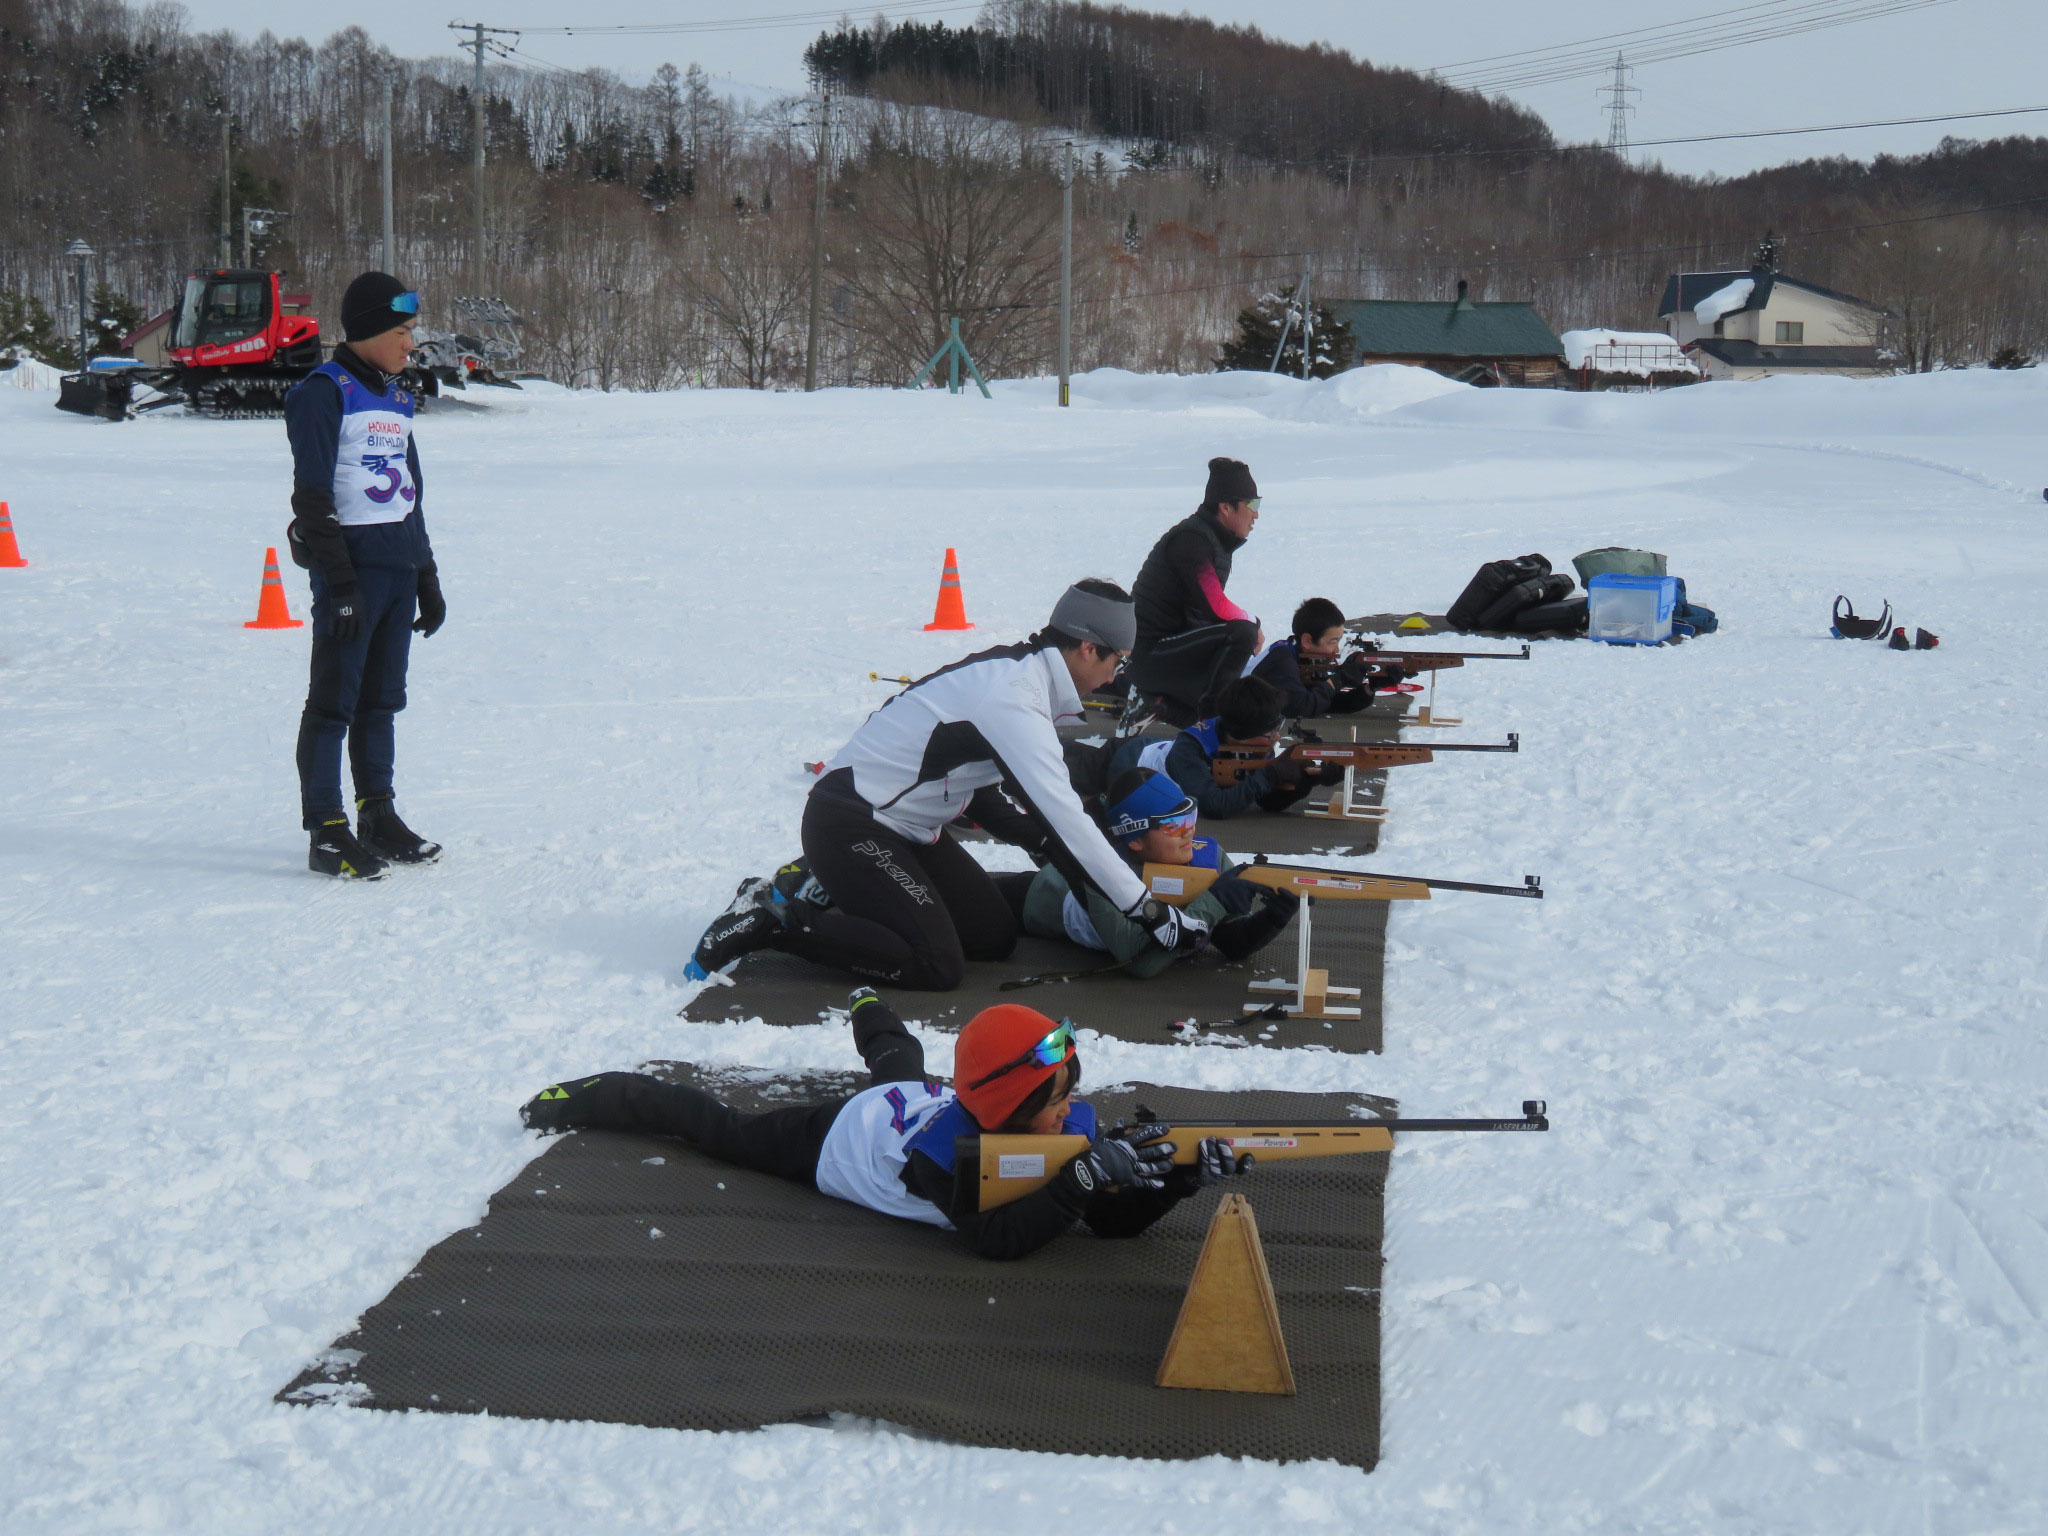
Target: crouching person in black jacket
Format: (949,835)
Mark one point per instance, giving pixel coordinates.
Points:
(891,1146)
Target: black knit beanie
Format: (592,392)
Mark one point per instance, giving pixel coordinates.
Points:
(1229,480)
(366,308)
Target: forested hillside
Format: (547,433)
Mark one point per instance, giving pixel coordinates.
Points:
(658,233)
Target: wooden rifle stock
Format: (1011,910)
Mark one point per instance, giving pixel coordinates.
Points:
(1179,884)
(1010,1167)
(1229,766)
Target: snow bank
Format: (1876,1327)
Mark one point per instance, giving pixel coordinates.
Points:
(30,374)
(1724,301)
(1777,1271)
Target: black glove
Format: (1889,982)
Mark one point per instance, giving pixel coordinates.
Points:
(1238,895)
(433,607)
(1329,773)
(1242,936)
(344,611)
(1354,669)
(1170,927)
(1284,773)
(1131,1157)
(1215,1162)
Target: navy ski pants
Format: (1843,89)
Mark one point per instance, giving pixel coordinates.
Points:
(357,687)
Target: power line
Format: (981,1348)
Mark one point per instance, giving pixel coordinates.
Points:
(751,23)
(1658,45)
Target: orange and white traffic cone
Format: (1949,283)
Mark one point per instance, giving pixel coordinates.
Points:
(10,553)
(951,613)
(271,612)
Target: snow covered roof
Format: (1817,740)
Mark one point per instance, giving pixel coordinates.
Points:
(1724,301)
(1684,290)
(1638,352)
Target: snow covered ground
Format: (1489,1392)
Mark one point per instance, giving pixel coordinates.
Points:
(1781,1267)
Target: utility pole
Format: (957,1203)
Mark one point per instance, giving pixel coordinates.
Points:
(818,233)
(227,176)
(387,257)
(81,253)
(1617,93)
(476,46)
(1308,327)
(1066,268)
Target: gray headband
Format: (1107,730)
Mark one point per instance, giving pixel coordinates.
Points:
(1104,620)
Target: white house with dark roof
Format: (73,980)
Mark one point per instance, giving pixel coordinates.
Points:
(1750,325)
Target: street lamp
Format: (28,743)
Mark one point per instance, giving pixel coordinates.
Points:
(81,253)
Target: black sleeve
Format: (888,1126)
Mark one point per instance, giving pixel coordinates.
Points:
(1127,1212)
(1009,1231)
(1280,667)
(1003,819)
(1348,701)
(1189,767)
(419,506)
(312,423)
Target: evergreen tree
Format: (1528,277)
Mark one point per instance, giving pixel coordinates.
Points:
(26,330)
(1258,333)
(1134,238)
(113,316)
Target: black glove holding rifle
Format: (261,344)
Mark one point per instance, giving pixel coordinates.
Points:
(1122,1157)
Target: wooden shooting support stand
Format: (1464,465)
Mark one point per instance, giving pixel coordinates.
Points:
(1227,1338)
(1344,804)
(1312,991)
(1427,715)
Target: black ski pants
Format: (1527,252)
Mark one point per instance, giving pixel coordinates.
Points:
(912,914)
(1190,669)
(782,1142)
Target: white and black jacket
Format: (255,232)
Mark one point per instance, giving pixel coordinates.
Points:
(985,721)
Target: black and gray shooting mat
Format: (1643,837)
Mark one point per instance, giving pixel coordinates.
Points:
(630,1280)
(1349,941)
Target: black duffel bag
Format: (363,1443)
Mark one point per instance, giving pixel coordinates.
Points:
(1500,613)
(1491,581)
(1567,616)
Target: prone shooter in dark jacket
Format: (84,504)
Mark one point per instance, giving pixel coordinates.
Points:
(1310,679)
(1249,718)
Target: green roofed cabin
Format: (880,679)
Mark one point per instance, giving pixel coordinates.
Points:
(1490,343)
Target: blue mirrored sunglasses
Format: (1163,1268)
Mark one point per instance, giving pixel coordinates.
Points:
(406,304)
(1050,1051)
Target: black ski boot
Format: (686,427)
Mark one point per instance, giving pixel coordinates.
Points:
(381,831)
(752,922)
(563,1106)
(336,852)
(795,882)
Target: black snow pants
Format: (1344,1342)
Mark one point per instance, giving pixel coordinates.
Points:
(1189,670)
(781,1142)
(909,913)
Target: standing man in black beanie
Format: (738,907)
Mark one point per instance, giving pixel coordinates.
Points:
(1192,639)
(357,529)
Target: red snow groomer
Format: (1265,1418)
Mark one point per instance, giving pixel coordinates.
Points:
(237,343)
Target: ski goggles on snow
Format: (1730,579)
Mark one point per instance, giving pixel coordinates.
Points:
(1049,1051)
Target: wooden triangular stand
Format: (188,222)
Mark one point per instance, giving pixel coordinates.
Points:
(1228,1336)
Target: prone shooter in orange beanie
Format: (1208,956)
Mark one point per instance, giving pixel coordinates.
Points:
(890,1147)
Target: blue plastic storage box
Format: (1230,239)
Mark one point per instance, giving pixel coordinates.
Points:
(1630,610)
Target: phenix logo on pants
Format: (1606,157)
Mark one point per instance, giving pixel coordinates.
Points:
(886,863)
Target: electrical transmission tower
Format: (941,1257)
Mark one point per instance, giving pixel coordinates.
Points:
(1617,93)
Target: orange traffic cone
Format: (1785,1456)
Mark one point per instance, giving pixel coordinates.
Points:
(271,612)
(950,613)
(10,554)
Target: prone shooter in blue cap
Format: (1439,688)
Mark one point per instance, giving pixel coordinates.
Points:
(1151,820)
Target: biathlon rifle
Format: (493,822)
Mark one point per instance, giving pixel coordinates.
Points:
(1229,765)
(1429,661)
(1179,884)
(1008,1168)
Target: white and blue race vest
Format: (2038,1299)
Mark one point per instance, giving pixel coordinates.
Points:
(372,474)
(865,1151)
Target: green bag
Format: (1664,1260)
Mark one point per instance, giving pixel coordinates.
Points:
(1614,561)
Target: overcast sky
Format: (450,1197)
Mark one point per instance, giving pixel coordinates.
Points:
(1959,56)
